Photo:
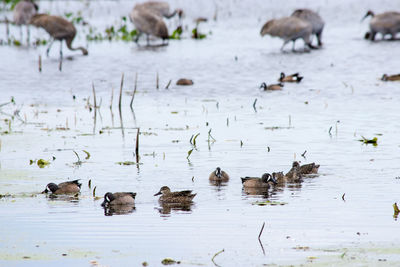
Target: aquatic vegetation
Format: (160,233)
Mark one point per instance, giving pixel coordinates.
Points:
(176,34)
(113,33)
(269,203)
(169,261)
(373,141)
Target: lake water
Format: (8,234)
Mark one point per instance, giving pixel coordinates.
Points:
(340,99)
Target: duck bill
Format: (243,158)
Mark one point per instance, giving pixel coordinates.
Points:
(156,194)
(45,191)
(103,204)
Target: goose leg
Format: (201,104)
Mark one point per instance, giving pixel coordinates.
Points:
(148,39)
(49,47)
(20,33)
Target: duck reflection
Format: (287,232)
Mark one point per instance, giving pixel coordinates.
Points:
(118,210)
(166,208)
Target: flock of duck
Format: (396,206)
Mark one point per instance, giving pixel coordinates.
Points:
(125,201)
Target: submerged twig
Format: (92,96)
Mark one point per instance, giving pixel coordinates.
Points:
(168,84)
(254,105)
(40,63)
(134,92)
(262,229)
(137,146)
(343,196)
(215,255)
(157,81)
(120,91)
(304,154)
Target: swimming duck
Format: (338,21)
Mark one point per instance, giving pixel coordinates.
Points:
(294,78)
(219,175)
(309,168)
(271,87)
(119,198)
(395,77)
(294,174)
(265,181)
(174,197)
(70,187)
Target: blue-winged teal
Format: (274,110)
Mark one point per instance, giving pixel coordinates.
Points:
(385,23)
(174,197)
(289,29)
(395,77)
(294,78)
(119,198)
(271,87)
(314,19)
(310,168)
(219,176)
(294,174)
(265,181)
(70,187)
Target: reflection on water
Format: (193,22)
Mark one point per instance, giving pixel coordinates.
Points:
(118,209)
(166,208)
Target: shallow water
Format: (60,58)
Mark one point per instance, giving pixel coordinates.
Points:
(341,89)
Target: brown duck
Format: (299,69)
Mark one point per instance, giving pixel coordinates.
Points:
(219,176)
(395,77)
(167,196)
(271,87)
(265,181)
(119,198)
(70,187)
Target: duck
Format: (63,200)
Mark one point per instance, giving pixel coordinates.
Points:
(70,187)
(310,168)
(385,23)
(119,198)
(395,77)
(294,174)
(219,175)
(264,181)
(314,19)
(289,29)
(184,81)
(167,196)
(271,87)
(293,78)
